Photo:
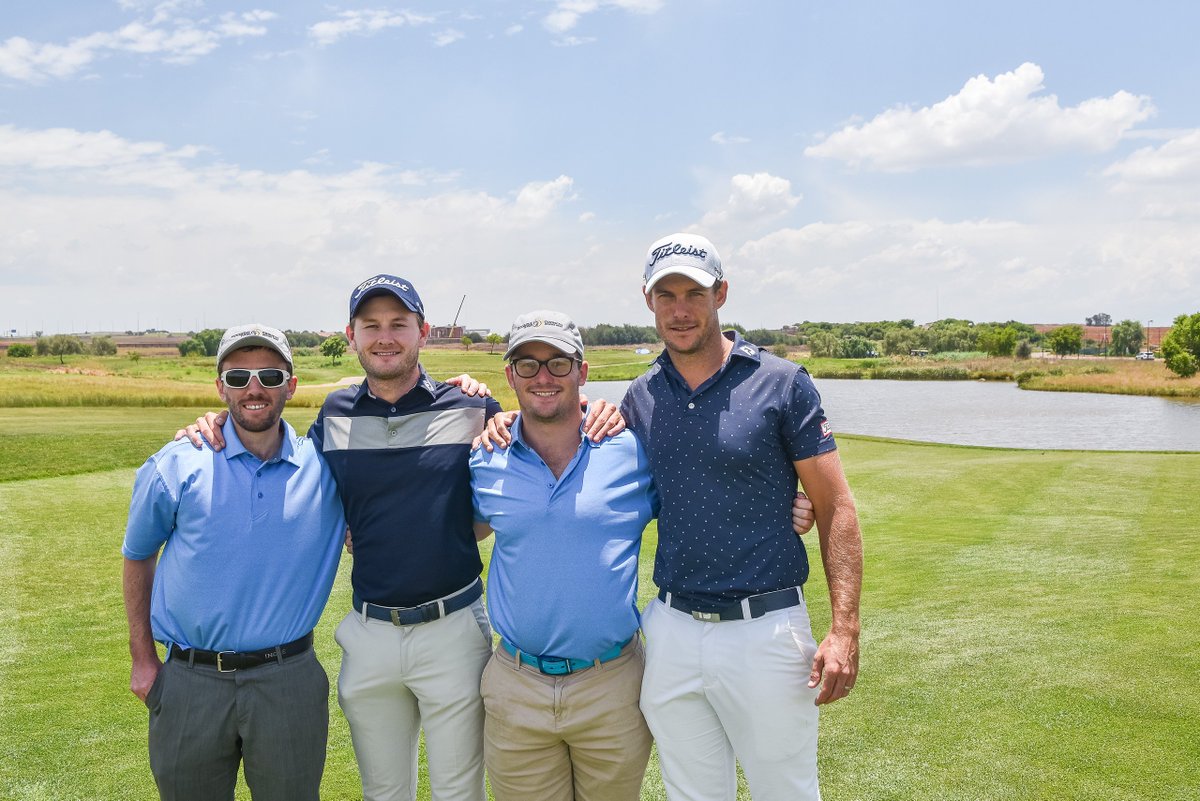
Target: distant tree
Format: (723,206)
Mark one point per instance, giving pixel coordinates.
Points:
(209,339)
(997,341)
(1099,319)
(134,356)
(104,346)
(824,343)
(780,350)
(20,350)
(41,345)
(901,341)
(494,339)
(1066,340)
(1181,345)
(62,345)
(1023,350)
(856,347)
(1127,337)
(763,336)
(304,339)
(191,347)
(334,347)
(467,342)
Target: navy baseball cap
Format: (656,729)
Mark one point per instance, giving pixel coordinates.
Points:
(386,284)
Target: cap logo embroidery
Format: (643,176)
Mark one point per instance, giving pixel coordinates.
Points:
(381,281)
(671,249)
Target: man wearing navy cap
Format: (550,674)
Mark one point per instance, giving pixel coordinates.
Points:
(561,691)
(732,669)
(249,541)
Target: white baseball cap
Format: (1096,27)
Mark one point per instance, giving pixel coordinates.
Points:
(689,255)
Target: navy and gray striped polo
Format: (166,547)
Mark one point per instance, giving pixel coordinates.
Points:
(721,457)
(402,473)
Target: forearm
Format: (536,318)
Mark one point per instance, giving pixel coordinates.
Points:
(137,582)
(842,556)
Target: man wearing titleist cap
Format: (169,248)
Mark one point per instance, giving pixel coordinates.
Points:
(561,690)
(229,559)
(732,669)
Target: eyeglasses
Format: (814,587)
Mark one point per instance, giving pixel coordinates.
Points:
(269,377)
(559,366)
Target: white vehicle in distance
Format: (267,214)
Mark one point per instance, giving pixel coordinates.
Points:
(1145,356)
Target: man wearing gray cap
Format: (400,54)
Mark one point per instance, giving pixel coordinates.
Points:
(732,669)
(561,690)
(229,559)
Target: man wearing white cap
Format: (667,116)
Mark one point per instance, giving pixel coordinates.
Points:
(732,669)
(561,690)
(249,541)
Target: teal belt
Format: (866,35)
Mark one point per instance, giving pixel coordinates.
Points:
(561,665)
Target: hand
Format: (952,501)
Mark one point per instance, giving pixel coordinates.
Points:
(496,432)
(802,514)
(206,428)
(835,667)
(142,676)
(603,419)
(349,542)
(470,386)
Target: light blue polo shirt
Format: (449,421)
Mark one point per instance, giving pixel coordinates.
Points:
(563,578)
(249,548)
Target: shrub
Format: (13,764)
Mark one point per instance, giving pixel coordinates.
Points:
(20,350)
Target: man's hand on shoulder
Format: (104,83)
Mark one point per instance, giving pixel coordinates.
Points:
(206,428)
(470,387)
(496,432)
(603,419)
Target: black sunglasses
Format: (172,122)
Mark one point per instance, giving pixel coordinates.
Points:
(269,377)
(559,366)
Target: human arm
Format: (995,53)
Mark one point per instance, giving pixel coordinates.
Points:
(835,666)
(603,419)
(206,429)
(482,531)
(496,432)
(137,580)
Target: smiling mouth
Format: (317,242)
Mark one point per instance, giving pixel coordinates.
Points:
(254,407)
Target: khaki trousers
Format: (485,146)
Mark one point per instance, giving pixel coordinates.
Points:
(579,737)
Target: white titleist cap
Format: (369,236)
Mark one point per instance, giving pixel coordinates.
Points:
(689,255)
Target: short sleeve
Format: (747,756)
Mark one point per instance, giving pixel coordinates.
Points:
(805,431)
(151,513)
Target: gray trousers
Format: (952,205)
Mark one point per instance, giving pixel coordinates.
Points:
(274,719)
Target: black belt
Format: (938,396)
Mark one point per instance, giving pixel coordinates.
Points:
(229,661)
(759,605)
(412,615)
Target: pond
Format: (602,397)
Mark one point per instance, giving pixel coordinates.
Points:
(997,414)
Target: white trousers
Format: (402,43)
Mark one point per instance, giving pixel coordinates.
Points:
(713,692)
(397,679)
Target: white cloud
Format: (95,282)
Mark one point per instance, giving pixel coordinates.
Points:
(988,122)
(573,41)
(753,200)
(448,36)
(567,13)
(1177,160)
(721,138)
(362,22)
(150,222)
(172,38)
(513,30)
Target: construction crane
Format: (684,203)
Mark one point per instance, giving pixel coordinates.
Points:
(460,305)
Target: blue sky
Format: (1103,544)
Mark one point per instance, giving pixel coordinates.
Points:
(191,164)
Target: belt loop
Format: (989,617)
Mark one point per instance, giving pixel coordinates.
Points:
(596,663)
(667,600)
(746,608)
(191,657)
(279,654)
(442,608)
(363,612)
(516,658)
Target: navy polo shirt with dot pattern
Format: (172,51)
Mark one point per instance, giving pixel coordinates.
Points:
(721,457)
(402,471)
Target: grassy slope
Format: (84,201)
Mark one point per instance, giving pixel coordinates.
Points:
(1025,629)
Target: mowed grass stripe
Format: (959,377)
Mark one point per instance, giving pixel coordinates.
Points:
(1027,633)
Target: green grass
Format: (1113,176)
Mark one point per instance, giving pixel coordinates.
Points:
(1028,626)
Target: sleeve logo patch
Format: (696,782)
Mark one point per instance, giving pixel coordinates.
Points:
(826,430)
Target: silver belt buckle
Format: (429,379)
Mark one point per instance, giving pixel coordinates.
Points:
(706,617)
(220,668)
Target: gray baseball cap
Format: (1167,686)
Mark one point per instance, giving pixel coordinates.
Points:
(553,328)
(254,335)
(689,255)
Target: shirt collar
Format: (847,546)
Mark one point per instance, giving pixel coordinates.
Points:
(235,448)
(424,382)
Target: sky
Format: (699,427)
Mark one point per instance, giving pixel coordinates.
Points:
(185,164)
